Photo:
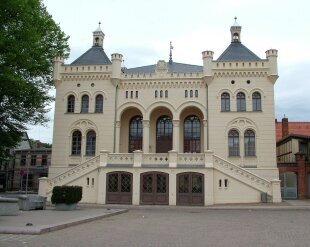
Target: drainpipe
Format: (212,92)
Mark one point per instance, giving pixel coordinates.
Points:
(115,112)
(207,113)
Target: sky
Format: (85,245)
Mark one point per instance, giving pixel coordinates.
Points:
(142,30)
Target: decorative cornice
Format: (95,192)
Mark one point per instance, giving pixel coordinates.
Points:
(241,74)
(161,84)
(90,77)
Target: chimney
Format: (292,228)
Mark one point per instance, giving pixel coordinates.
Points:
(284,127)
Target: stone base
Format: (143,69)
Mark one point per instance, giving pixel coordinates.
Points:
(65,207)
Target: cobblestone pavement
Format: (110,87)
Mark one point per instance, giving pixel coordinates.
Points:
(180,226)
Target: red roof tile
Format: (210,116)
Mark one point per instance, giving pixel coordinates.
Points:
(299,128)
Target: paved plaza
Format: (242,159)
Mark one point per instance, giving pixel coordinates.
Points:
(182,226)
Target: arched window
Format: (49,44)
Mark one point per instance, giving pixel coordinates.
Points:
(191,134)
(249,143)
(70,103)
(166,94)
(99,103)
(241,106)
(257,101)
(186,93)
(225,102)
(196,93)
(156,94)
(91,143)
(163,134)
(233,143)
(161,93)
(135,134)
(191,93)
(85,104)
(76,143)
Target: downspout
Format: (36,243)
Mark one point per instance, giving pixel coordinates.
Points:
(115,112)
(207,112)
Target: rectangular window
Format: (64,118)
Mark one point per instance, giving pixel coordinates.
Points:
(23,160)
(186,93)
(126,94)
(137,94)
(131,94)
(44,160)
(196,93)
(33,160)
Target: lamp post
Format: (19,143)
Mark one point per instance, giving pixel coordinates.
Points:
(27,171)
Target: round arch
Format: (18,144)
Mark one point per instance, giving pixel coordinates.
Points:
(127,106)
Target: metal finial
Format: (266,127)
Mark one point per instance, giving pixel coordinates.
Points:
(99,23)
(170,55)
(235,18)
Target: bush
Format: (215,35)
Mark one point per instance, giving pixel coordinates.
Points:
(66,194)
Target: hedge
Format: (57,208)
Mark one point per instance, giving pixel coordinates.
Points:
(66,194)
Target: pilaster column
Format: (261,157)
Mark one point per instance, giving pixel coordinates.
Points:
(176,133)
(205,135)
(146,136)
(117,135)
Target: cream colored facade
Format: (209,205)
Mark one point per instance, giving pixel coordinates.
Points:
(226,172)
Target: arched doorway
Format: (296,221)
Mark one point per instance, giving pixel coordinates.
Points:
(190,188)
(163,134)
(119,188)
(154,188)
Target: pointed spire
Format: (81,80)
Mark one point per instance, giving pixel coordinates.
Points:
(170,54)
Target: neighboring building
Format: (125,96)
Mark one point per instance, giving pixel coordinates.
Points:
(285,127)
(29,165)
(293,150)
(144,135)
(7,165)
(28,162)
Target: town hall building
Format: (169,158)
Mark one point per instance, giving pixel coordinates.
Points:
(168,133)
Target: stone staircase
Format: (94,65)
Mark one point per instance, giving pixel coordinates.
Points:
(241,175)
(73,174)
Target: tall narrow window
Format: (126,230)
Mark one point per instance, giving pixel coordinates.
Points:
(44,160)
(191,93)
(70,103)
(196,93)
(241,106)
(161,93)
(126,94)
(85,104)
(135,134)
(137,94)
(249,143)
(91,143)
(166,94)
(76,143)
(186,93)
(225,102)
(99,103)
(257,101)
(233,143)
(192,134)
(164,129)
(33,160)
(156,93)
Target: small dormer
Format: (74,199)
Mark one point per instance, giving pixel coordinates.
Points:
(98,37)
(235,31)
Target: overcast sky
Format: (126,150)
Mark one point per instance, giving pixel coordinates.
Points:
(141,30)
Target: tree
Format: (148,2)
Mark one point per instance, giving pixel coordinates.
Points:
(29,40)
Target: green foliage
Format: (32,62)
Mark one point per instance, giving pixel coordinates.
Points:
(29,40)
(66,194)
